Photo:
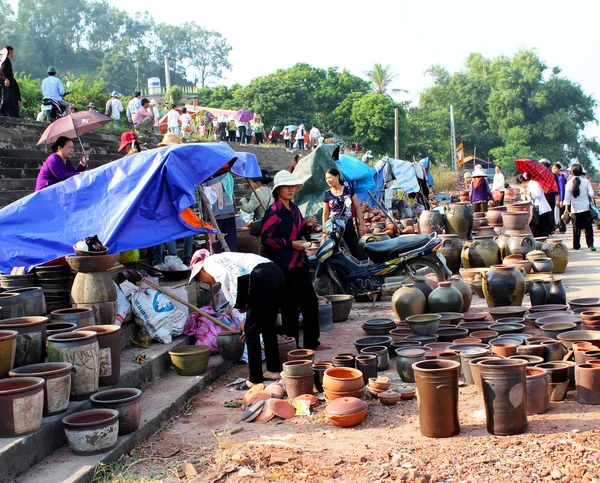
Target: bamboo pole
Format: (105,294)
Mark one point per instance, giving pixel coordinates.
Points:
(186,303)
(256,194)
(385,212)
(213,221)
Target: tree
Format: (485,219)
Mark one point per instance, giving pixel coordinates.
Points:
(210,52)
(380,77)
(174,95)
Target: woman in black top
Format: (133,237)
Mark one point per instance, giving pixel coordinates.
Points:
(11,94)
(340,200)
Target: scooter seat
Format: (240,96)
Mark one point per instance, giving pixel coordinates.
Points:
(382,251)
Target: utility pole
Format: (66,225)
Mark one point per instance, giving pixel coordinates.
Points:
(452,138)
(396,140)
(137,76)
(167,73)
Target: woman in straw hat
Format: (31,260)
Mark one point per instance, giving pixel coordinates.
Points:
(283,234)
(479,191)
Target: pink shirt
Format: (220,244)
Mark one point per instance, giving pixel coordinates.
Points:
(141,114)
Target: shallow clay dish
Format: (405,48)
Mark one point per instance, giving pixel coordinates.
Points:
(251,392)
(252,411)
(313,400)
(332,395)
(549,308)
(507,311)
(260,396)
(267,413)
(475,316)
(282,409)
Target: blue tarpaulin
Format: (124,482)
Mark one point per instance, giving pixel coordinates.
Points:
(131,203)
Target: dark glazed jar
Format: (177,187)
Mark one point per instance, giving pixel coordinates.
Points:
(503,285)
(445,298)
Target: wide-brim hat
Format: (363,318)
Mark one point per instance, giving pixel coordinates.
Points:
(126,139)
(265,177)
(285,178)
(479,173)
(169,139)
(197,262)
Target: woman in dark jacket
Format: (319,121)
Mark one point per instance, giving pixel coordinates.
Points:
(11,94)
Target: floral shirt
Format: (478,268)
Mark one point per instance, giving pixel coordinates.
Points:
(340,205)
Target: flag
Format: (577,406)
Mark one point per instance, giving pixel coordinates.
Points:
(460,154)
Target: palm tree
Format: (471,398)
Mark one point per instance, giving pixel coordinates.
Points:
(381,76)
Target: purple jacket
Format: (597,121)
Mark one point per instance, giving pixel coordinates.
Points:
(481,193)
(562,182)
(54,170)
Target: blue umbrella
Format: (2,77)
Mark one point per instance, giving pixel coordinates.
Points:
(291,127)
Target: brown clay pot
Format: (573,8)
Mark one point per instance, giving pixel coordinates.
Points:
(579,348)
(451,248)
(503,286)
(473,368)
(286,344)
(515,220)
(109,341)
(483,252)
(518,243)
(494,215)
(431,221)
(558,252)
(301,355)
(538,390)
(407,301)
(504,350)
(125,400)
(465,290)
(587,378)
(342,379)
(31,339)
(346,412)
(21,405)
(297,385)
(343,361)
(367,364)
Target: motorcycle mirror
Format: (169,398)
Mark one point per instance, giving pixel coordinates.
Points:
(69,84)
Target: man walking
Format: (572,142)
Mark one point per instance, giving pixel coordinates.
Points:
(53,88)
(315,134)
(173,119)
(134,104)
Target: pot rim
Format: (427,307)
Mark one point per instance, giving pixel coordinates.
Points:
(187,350)
(100,330)
(69,336)
(65,367)
(28,321)
(110,416)
(135,394)
(417,366)
(8,334)
(70,310)
(301,377)
(34,384)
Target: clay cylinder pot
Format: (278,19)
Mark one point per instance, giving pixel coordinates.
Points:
(230,345)
(504,350)
(431,221)
(437,386)
(319,372)
(538,390)
(465,290)
(553,350)
(286,344)
(367,364)
(301,355)
(382,353)
(459,219)
(465,358)
(494,215)
(505,395)
(31,339)
(587,379)
(125,400)
(82,317)
(34,302)
(297,385)
(21,405)
(445,298)
(557,371)
(82,350)
(474,369)
(406,358)
(8,346)
(579,348)
(342,379)
(483,252)
(57,385)
(558,252)
(11,305)
(503,286)
(451,247)
(407,301)
(342,360)
(92,432)
(109,341)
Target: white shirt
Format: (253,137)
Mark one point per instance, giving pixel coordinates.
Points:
(498,182)
(117,108)
(582,202)
(315,133)
(173,118)
(537,196)
(156,116)
(225,268)
(185,119)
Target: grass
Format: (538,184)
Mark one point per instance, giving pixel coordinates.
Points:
(446,180)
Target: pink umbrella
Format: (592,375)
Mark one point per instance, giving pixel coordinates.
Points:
(243,115)
(73,126)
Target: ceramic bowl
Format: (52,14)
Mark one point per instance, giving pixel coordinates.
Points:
(485,335)
(450,317)
(507,328)
(475,316)
(423,339)
(473,326)
(379,330)
(507,339)
(398,335)
(522,337)
(567,338)
(450,334)
(507,311)
(571,318)
(584,302)
(342,379)
(379,386)
(389,398)
(424,324)
(552,329)
(549,308)
(363,342)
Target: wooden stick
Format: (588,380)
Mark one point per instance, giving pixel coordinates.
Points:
(385,212)
(213,221)
(256,194)
(187,304)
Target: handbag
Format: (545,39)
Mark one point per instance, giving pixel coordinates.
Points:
(593,210)
(256,228)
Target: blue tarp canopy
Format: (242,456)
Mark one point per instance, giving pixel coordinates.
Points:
(131,203)
(391,173)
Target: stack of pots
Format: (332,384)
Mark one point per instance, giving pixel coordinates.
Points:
(339,382)
(11,305)
(298,377)
(494,216)
(93,287)
(55,280)
(517,236)
(31,339)
(9,282)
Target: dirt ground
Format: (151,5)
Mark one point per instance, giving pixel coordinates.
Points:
(562,445)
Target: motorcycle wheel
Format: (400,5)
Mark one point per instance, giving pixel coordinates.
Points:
(425,268)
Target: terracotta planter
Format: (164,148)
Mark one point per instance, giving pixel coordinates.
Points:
(445,298)
(342,379)
(431,221)
(57,383)
(297,368)
(34,302)
(21,405)
(408,301)
(459,219)
(558,252)
(31,338)
(109,341)
(8,346)
(503,286)
(451,249)
(301,355)
(406,358)
(437,386)
(92,432)
(553,350)
(587,379)
(538,390)
(127,401)
(465,290)
(286,344)
(504,394)
(298,385)
(190,360)
(504,350)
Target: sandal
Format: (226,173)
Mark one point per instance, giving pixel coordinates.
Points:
(322,347)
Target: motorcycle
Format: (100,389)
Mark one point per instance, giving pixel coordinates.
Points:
(408,256)
(52,109)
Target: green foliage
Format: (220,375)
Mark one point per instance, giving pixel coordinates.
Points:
(174,95)
(84,90)
(31,96)
(380,77)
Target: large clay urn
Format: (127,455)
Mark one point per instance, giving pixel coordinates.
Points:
(451,248)
(465,290)
(494,215)
(518,242)
(558,252)
(459,219)
(445,298)
(407,301)
(431,221)
(483,252)
(503,285)
(516,220)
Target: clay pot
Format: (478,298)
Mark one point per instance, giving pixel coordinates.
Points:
(346,412)
(81,317)
(127,401)
(297,385)
(342,379)
(57,385)
(515,221)
(459,219)
(465,357)
(541,265)
(591,355)
(532,361)
(557,371)
(537,293)
(587,378)
(389,398)
(8,346)
(503,349)
(558,391)
(450,334)
(503,286)
(519,207)
(464,289)
(558,252)
(553,350)
(109,341)
(301,355)
(367,364)
(483,252)
(424,324)
(494,215)
(486,231)
(382,353)
(504,393)
(31,338)
(34,302)
(406,358)
(579,348)
(445,298)
(552,329)
(286,344)
(538,390)
(319,372)
(484,335)
(408,301)
(190,360)
(11,305)
(437,386)
(557,294)
(518,243)
(531,256)
(451,249)
(537,350)
(92,432)
(21,405)
(473,368)
(342,360)
(421,283)
(297,368)
(230,345)
(431,221)
(341,305)
(325,316)
(59,327)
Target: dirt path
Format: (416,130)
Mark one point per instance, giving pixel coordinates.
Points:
(561,445)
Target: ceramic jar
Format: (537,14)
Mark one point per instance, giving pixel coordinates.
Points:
(517,221)
(557,293)
(518,243)
(503,286)
(421,283)
(431,221)
(109,342)
(8,345)
(465,260)
(535,254)
(445,298)
(406,358)
(286,344)
(21,405)
(407,301)
(537,293)
(538,390)
(483,252)
(451,248)
(558,252)
(31,339)
(494,215)
(465,290)
(459,219)
(542,265)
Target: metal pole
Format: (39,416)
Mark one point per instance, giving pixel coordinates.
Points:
(167,73)
(452,139)
(396,140)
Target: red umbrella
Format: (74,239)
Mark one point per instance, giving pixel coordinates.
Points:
(538,172)
(73,126)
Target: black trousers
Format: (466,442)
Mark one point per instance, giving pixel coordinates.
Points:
(258,138)
(544,225)
(480,206)
(266,289)
(551,199)
(561,225)
(223,131)
(299,296)
(232,135)
(301,143)
(582,221)
(9,106)
(288,143)
(351,239)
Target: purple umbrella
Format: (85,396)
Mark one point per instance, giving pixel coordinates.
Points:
(243,115)
(73,126)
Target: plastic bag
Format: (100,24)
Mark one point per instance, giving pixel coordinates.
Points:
(175,264)
(205,331)
(154,312)
(123,307)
